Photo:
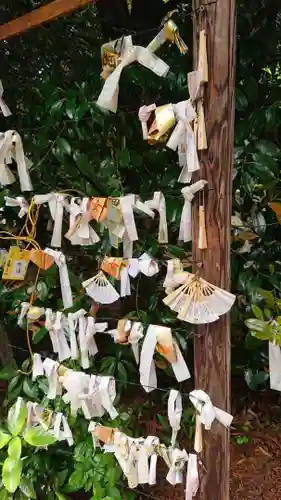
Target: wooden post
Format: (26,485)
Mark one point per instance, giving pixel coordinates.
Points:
(39,16)
(212,344)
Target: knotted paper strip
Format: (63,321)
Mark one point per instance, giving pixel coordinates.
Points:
(108,98)
(158,203)
(144,115)
(54,423)
(56,203)
(162,335)
(11,148)
(188,193)
(207,413)
(20,202)
(54,325)
(80,231)
(128,332)
(3,106)
(66,292)
(174,414)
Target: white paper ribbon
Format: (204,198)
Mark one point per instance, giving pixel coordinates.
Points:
(66,292)
(37,366)
(20,202)
(3,106)
(144,115)
(73,320)
(174,414)
(63,433)
(274,352)
(51,371)
(56,202)
(158,203)
(148,378)
(108,394)
(108,98)
(87,342)
(11,148)
(207,413)
(57,335)
(188,193)
(192,477)
(80,231)
(178,459)
(136,334)
(23,312)
(147,265)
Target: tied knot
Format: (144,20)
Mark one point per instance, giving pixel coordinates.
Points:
(145,112)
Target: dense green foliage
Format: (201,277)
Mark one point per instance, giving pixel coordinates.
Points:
(52,79)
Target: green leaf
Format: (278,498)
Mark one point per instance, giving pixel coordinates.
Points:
(7,373)
(76,481)
(11,474)
(4,438)
(37,436)
(241,101)
(63,146)
(14,448)
(17,417)
(124,158)
(29,388)
(60,496)
(27,488)
(255,378)
(5,495)
(257,312)
(268,148)
(39,335)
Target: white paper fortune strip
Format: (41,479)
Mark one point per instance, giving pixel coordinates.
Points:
(207,413)
(274,353)
(80,231)
(11,148)
(108,98)
(55,323)
(183,139)
(94,394)
(192,477)
(56,203)
(158,203)
(66,292)
(188,193)
(19,202)
(55,423)
(31,313)
(197,301)
(161,337)
(3,106)
(128,332)
(174,414)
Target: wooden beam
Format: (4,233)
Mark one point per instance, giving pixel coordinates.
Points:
(212,345)
(39,16)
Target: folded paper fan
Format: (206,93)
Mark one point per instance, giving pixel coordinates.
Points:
(197,301)
(100,289)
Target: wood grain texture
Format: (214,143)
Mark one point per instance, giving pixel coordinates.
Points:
(212,345)
(39,16)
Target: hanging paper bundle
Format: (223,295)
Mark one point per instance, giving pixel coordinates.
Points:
(206,415)
(3,106)
(80,231)
(158,122)
(55,423)
(126,53)
(158,203)
(93,394)
(11,149)
(188,193)
(170,33)
(160,338)
(197,301)
(128,332)
(56,202)
(60,261)
(18,202)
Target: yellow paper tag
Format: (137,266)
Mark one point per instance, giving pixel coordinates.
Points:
(112,266)
(16,264)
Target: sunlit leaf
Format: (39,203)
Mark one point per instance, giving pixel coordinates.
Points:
(4,438)
(11,473)
(37,436)
(14,448)
(17,417)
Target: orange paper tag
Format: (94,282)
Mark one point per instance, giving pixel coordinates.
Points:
(98,208)
(41,259)
(168,351)
(16,264)
(112,266)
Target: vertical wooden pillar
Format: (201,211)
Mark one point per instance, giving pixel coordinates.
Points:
(212,345)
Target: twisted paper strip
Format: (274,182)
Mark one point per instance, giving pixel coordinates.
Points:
(144,115)
(92,393)
(108,98)
(66,292)
(56,202)
(20,202)
(11,148)
(80,231)
(128,332)
(188,193)
(174,413)
(207,413)
(162,336)
(56,422)
(3,106)
(158,203)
